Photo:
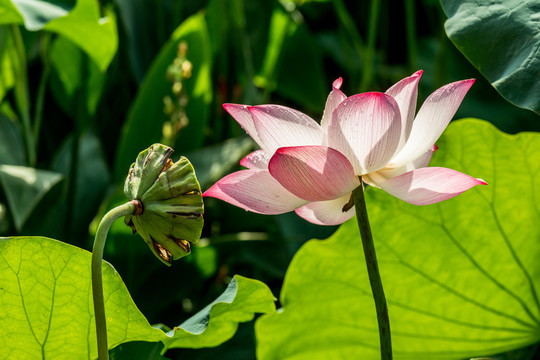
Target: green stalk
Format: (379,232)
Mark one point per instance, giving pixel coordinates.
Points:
(373,273)
(369,58)
(38,115)
(22,97)
(410,20)
(97,282)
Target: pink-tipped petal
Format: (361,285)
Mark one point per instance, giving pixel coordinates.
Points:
(335,97)
(432,119)
(327,212)
(314,173)
(428,185)
(257,160)
(241,114)
(405,92)
(366,128)
(255,190)
(279,126)
(336,85)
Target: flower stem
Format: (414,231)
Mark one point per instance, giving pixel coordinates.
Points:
(97,282)
(373,272)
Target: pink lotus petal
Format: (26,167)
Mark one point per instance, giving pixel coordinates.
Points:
(327,212)
(335,97)
(405,93)
(255,190)
(279,126)
(314,173)
(420,162)
(432,119)
(257,160)
(241,114)
(366,129)
(428,185)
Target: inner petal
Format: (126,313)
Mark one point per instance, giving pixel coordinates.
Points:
(313,173)
(366,128)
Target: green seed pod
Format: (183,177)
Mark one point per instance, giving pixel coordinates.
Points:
(170,207)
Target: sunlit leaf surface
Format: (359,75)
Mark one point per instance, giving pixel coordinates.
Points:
(462,277)
(46,306)
(239,302)
(36,14)
(46,303)
(501,39)
(79,21)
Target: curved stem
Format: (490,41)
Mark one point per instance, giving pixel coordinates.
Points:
(373,272)
(97,283)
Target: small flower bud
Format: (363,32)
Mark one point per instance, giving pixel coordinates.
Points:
(171,207)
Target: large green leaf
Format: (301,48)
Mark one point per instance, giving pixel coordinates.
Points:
(74,77)
(8,68)
(501,39)
(145,34)
(12,151)
(96,35)
(24,188)
(46,305)
(462,277)
(238,303)
(9,13)
(144,124)
(36,14)
(81,23)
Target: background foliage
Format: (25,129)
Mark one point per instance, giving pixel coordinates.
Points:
(85,86)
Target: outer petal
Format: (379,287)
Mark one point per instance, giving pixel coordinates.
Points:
(241,114)
(327,212)
(279,126)
(366,128)
(257,160)
(335,97)
(255,190)
(432,119)
(314,173)
(428,185)
(405,93)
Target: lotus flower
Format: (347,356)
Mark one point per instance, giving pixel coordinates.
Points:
(374,137)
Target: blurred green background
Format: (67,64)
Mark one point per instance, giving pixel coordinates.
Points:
(81,97)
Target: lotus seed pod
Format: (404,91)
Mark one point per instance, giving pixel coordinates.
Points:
(170,216)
